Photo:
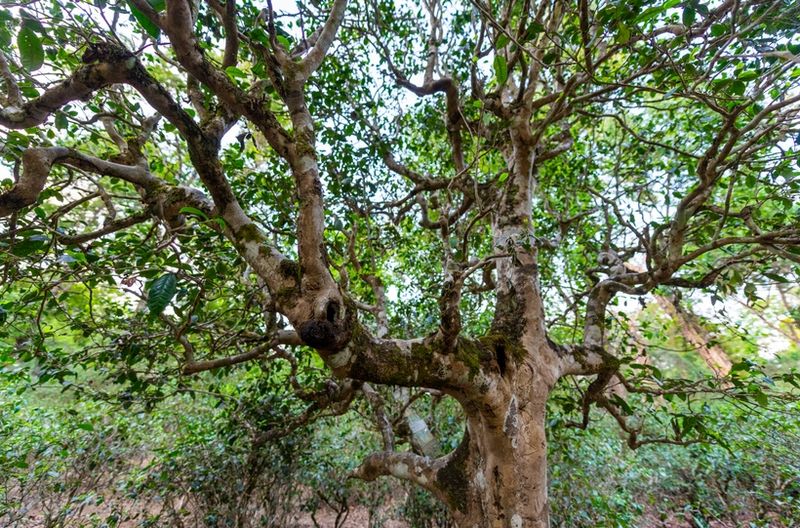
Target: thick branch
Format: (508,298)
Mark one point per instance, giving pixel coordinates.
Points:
(416,362)
(79,86)
(403,465)
(13,95)
(179,27)
(36,165)
(315,57)
(431,474)
(381,420)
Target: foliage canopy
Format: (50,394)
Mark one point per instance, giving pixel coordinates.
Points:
(339,201)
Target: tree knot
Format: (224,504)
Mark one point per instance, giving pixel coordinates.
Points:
(318,333)
(105,52)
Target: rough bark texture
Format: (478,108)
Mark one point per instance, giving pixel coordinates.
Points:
(505,467)
(498,475)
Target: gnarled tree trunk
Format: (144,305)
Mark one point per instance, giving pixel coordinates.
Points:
(497,477)
(503,462)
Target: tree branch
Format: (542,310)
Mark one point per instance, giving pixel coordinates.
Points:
(283,338)
(314,58)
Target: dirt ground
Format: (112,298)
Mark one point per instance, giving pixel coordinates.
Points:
(357,517)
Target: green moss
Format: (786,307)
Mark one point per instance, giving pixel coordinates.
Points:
(452,478)
(290,269)
(512,348)
(471,360)
(473,354)
(249,233)
(304,141)
(507,316)
(422,353)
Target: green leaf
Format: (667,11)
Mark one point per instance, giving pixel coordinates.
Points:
(31,52)
(260,35)
(650,13)
(747,75)
(78,256)
(5,37)
(550,57)
(720,84)
(283,41)
(235,73)
(31,22)
(777,278)
(718,30)
(30,245)
(689,423)
(750,290)
(161,293)
(193,211)
(502,40)
(623,33)
(61,120)
(500,69)
(689,15)
(143,21)
(738,88)
(534,29)
(744,365)
(792,379)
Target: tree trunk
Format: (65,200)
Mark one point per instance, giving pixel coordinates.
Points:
(498,475)
(504,469)
(504,454)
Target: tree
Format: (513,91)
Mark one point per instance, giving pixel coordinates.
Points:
(455,209)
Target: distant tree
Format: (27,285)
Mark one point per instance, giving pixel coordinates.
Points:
(446,195)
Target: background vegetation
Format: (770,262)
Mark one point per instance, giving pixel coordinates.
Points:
(71,459)
(102,423)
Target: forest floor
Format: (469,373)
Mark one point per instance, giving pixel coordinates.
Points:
(356,517)
(359,518)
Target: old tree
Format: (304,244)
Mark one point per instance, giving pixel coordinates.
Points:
(453,196)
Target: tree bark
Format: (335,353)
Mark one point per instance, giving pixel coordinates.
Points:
(502,464)
(505,448)
(497,477)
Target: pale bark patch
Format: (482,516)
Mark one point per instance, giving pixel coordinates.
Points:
(340,359)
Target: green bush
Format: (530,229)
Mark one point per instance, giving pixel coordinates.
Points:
(189,463)
(597,481)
